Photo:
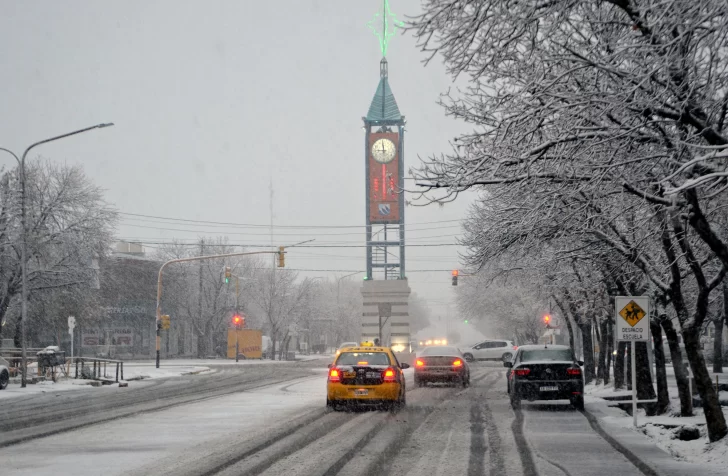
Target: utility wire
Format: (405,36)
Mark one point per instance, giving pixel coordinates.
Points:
(252,225)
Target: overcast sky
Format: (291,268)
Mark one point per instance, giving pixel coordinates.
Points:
(212,98)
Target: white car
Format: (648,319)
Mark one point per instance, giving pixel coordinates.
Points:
(4,374)
(492,349)
(346,344)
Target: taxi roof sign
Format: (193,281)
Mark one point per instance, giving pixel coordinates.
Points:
(368,348)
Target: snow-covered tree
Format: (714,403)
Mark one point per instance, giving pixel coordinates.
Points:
(69,227)
(600,134)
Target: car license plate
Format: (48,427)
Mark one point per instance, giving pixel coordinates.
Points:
(373,374)
(550,388)
(362,392)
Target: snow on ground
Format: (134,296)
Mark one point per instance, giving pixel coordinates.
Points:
(141,370)
(131,372)
(661,428)
(14,390)
(201,427)
(608,390)
(135,441)
(208,362)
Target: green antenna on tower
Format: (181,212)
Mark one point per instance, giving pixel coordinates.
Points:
(384,26)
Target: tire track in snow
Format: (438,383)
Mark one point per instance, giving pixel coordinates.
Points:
(482,424)
(524,451)
(497,467)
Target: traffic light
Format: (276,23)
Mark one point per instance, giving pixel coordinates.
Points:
(281,257)
(166,323)
(465,321)
(547,320)
(228,274)
(238,321)
(454,277)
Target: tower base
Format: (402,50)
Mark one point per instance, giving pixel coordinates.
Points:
(386,315)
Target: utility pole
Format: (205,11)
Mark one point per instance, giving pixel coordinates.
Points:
(199,296)
(271,220)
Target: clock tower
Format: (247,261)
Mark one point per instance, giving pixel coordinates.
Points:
(383,156)
(385,290)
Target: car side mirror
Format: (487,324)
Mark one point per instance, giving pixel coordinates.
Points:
(404,366)
(580,362)
(508,364)
(329,366)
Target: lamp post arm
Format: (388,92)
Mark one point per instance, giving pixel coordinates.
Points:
(62,136)
(11,153)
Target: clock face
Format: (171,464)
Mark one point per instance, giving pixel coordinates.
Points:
(384,151)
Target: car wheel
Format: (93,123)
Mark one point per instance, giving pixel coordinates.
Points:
(4,379)
(468,357)
(419,382)
(515,402)
(399,404)
(507,357)
(578,402)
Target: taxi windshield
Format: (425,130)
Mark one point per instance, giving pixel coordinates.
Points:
(363,358)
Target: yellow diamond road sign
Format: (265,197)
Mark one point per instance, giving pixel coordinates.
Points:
(632,313)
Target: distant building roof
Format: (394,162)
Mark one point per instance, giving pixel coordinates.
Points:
(127,247)
(384,106)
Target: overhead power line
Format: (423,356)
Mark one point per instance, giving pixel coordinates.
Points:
(227,232)
(253,225)
(247,245)
(131,221)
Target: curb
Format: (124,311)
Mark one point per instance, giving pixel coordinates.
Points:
(646,469)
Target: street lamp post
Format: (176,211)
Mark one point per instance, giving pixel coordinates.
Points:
(338,284)
(23,245)
(183,260)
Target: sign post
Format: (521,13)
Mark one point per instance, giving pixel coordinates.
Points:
(632,315)
(71,327)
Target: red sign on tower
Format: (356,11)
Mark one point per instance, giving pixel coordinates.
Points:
(383,191)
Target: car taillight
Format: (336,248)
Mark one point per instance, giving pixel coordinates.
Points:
(457,363)
(573,371)
(515,347)
(522,372)
(334,375)
(419,363)
(389,375)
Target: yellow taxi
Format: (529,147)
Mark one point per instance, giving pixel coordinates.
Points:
(366,375)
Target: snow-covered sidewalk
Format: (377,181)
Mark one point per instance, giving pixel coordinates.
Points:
(135,370)
(655,438)
(132,371)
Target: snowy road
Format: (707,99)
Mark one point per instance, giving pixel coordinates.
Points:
(281,428)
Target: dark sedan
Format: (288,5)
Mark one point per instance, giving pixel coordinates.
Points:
(441,364)
(545,372)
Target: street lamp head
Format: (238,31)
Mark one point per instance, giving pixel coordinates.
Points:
(105,124)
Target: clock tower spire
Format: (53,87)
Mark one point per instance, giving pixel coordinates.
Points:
(385,290)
